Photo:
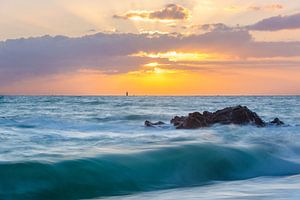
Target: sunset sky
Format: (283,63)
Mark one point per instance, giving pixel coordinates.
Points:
(157,47)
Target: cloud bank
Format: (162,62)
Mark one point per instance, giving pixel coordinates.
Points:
(277,23)
(110,53)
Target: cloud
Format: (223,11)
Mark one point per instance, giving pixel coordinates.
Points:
(269,24)
(92,30)
(270,7)
(215,27)
(233,8)
(263,8)
(170,12)
(277,23)
(110,52)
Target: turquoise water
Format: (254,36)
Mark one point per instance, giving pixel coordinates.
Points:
(98,148)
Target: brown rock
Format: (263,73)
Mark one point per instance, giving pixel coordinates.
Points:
(194,120)
(231,115)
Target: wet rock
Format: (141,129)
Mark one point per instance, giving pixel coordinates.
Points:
(240,115)
(231,115)
(151,124)
(237,115)
(277,122)
(194,120)
(176,121)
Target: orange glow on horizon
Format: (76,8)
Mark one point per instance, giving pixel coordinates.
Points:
(162,81)
(175,56)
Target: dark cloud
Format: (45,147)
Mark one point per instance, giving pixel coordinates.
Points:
(277,23)
(37,57)
(170,12)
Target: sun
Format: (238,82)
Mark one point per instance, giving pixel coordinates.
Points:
(177,56)
(158,70)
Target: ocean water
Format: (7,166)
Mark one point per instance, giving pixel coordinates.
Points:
(97,148)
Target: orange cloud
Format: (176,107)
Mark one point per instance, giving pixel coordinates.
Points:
(175,56)
(265,8)
(170,12)
(270,7)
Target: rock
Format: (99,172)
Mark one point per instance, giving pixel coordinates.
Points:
(194,120)
(277,122)
(240,115)
(209,116)
(231,115)
(177,121)
(151,124)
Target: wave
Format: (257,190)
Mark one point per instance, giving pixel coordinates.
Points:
(2,99)
(130,117)
(119,174)
(87,103)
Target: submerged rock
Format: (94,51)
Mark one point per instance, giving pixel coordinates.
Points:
(277,122)
(151,124)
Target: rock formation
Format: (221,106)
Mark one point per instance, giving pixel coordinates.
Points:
(232,115)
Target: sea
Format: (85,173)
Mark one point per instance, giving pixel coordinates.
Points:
(97,147)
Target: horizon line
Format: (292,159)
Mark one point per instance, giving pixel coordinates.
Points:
(144,95)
